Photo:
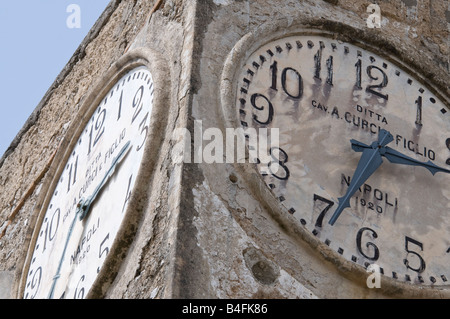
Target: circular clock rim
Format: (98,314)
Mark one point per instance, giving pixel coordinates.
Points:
(235,60)
(155,63)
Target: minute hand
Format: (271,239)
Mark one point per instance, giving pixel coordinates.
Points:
(396,157)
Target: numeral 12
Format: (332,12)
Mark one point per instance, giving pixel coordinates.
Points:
(370,71)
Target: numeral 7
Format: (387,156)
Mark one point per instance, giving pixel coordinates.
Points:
(324,211)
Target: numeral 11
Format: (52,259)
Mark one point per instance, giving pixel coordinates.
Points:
(72,170)
(318,66)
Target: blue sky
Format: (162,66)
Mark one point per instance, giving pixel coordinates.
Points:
(35,45)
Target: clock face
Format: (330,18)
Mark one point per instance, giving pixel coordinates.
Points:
(321,94)
(95,185)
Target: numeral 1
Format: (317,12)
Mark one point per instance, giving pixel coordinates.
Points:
(330,70)
(120,105)
(447,142)
(318,63)
(274,72)
(419,111)
(358,66)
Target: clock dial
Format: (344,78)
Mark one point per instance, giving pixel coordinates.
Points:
(93,192)
(322,94)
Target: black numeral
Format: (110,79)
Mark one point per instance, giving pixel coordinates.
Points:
(330,70)
(98,129)
(144,131)
(382,84)
(35,283)
(128,194)
(419,111)
(120,105)
(284,76)
(72,178)
(103,250)
(421,266)
(358,75)
(274,72)
(329,203)
(318,65)
(447,142)
(376,251)
(79,291)
(137,103)
(51,228)
(253,100)
(280,163)
(370,88)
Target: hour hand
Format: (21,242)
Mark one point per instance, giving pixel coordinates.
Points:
(396,157)
(368,164)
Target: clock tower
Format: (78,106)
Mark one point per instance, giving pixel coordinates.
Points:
(238,149)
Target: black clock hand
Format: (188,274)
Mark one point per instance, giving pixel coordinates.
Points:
(83,209)
(368,164)
(396,157)
(85,204)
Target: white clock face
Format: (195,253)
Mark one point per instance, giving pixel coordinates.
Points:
(102,170)
(321,93)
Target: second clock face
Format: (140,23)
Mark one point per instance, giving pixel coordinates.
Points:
(69,253)
(320,94)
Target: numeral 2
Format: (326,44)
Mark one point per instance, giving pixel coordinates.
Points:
(137,103)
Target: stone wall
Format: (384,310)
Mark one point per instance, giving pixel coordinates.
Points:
(205,233)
